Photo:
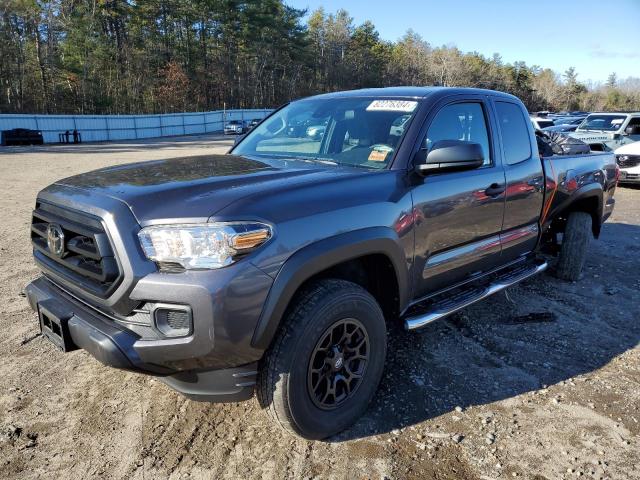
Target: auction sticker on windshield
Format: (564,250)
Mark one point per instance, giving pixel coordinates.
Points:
(392,106)
(379,153)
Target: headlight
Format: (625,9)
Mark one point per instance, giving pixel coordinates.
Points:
(202,246)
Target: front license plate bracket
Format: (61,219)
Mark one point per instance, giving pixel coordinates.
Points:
(54,324)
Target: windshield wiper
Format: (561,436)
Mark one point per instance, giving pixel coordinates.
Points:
(326,161)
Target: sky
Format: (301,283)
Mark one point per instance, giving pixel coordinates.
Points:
(596,37)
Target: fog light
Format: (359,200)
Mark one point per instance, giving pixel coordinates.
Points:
(173,320)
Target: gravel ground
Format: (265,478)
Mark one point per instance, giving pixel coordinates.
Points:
(540,382)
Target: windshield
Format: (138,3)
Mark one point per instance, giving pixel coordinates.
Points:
(358,132)
(608,123)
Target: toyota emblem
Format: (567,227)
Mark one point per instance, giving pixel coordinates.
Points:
(55,239)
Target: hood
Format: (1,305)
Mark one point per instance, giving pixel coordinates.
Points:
(629,149)
(587,136)
(194,188)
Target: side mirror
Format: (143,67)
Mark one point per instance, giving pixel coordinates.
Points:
(632,130)
(448,156)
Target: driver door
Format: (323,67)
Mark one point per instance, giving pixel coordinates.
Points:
(460,213)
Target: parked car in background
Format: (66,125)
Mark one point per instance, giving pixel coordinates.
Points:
(398,126)
(234,127)
(253,123)
(568,120)
(628,159)
(560,128)
(541,122)
(21,136)
(608,131)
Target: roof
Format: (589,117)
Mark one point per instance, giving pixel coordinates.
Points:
(614,113)
(411,92)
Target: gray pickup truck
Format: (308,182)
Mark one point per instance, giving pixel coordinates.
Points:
(277,268)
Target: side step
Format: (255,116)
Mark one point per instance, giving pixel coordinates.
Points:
(469,296)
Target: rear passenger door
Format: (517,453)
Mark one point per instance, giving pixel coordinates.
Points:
(524,179)
(459,214)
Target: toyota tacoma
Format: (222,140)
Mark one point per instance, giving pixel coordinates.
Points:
(276,269)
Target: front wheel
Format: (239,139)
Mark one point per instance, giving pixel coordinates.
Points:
(325,364)
(575,242)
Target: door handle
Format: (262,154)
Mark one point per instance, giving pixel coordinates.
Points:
(494,190)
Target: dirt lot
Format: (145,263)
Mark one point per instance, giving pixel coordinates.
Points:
(540,382)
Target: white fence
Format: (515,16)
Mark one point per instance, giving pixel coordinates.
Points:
(99,128)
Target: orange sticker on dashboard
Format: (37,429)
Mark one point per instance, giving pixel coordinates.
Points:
(378,155)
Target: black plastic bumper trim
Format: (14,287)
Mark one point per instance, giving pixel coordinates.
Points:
(228,385)
(105,340)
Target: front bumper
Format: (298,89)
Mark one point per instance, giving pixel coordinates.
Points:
(107,341)
(631,175)
(116,346)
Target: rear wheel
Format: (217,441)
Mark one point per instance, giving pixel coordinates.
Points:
(575,243)
(326,362)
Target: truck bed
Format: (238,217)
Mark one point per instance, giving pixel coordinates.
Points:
(571,175)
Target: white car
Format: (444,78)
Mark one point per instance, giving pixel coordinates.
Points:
(608,131)
(541,122)
(234,127)
(628,159)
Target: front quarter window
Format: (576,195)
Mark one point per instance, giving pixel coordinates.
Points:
(350,131)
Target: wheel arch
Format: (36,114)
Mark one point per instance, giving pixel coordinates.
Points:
(589,199)
(332,255)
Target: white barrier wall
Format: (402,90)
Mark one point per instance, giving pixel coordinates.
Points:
(98,128)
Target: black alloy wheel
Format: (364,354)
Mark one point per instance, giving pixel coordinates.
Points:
(338,363)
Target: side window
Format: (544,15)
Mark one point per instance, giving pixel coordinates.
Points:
(515,135)
(460,121)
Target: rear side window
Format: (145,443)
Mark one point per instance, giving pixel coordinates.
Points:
(515,135)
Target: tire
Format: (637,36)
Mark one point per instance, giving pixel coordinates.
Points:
(291,385)
(573,251)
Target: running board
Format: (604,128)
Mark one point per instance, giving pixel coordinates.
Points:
(446,307)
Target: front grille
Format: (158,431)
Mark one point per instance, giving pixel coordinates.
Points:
(628,161)
(82,255)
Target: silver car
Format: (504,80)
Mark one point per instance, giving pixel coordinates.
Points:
(234,127)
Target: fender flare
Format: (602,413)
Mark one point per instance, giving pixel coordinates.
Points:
(319,256)
(592,190)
